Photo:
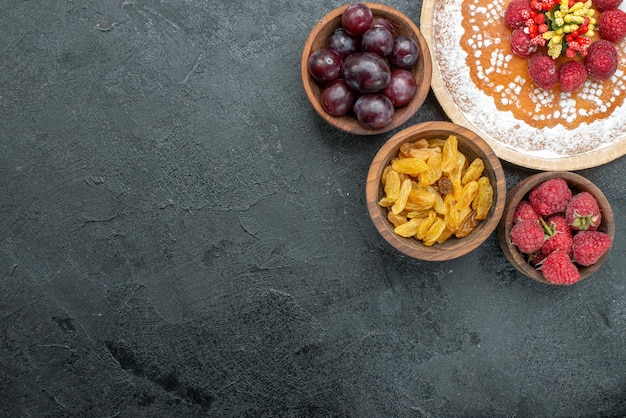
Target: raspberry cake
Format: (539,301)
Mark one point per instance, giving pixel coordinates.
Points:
(482,85)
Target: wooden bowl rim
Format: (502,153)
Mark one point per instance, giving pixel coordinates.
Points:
(349,123)
(577,183)
(454,247)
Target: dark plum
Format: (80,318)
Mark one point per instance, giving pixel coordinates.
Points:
(325,65)
(404,53)
(366,72)
(342,42)
(374,111)
(382,22)
(338,98)
(401,88)
(357,18)
(377,40)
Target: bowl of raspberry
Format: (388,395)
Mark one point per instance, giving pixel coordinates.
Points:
(435,191)
(366,68)
(557,227)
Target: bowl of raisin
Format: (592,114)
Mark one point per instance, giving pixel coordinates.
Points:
(366,68)
(435,191)
(557,227)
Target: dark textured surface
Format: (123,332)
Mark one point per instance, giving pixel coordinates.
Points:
(181,235)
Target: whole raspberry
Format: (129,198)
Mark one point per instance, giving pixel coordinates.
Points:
(558,235)
(525,210)
(527,236)
(602,59)
(582,212)
(543,71)
(612,24)
(589,246)
(550,197)
(521,44)
(517,12)
(558,268)
(572,75)
(603,5)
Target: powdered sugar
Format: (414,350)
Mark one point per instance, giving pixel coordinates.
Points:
(565,136)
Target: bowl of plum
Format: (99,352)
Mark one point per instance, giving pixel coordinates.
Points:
(435,191)
(366,68)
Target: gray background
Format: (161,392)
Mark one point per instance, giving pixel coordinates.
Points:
(181,235)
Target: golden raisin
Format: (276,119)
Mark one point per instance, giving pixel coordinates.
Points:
(449,154)
(418,213)
(408,148)
(456,174)
(421,143)
(474,171)
(396,220)
(422,198)
(385,202)
(452,213)
(409,228)
(403,196)
(469,192)
(412,207)
(436,143)
(439,206)
(465,214)
(484,199)
(410,166)
(467,227)
(444,236)
(434,232)
(424,153)
(433,173)
(405,150)
(423,227)
(392,185)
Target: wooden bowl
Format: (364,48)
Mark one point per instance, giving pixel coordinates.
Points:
(422,71)
(472,146)
(520,191)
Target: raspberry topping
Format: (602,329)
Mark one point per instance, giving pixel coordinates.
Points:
(572,75)
(517,13)
(543,71)
(602,59)
(603,5)
(521,43)
(612,25)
